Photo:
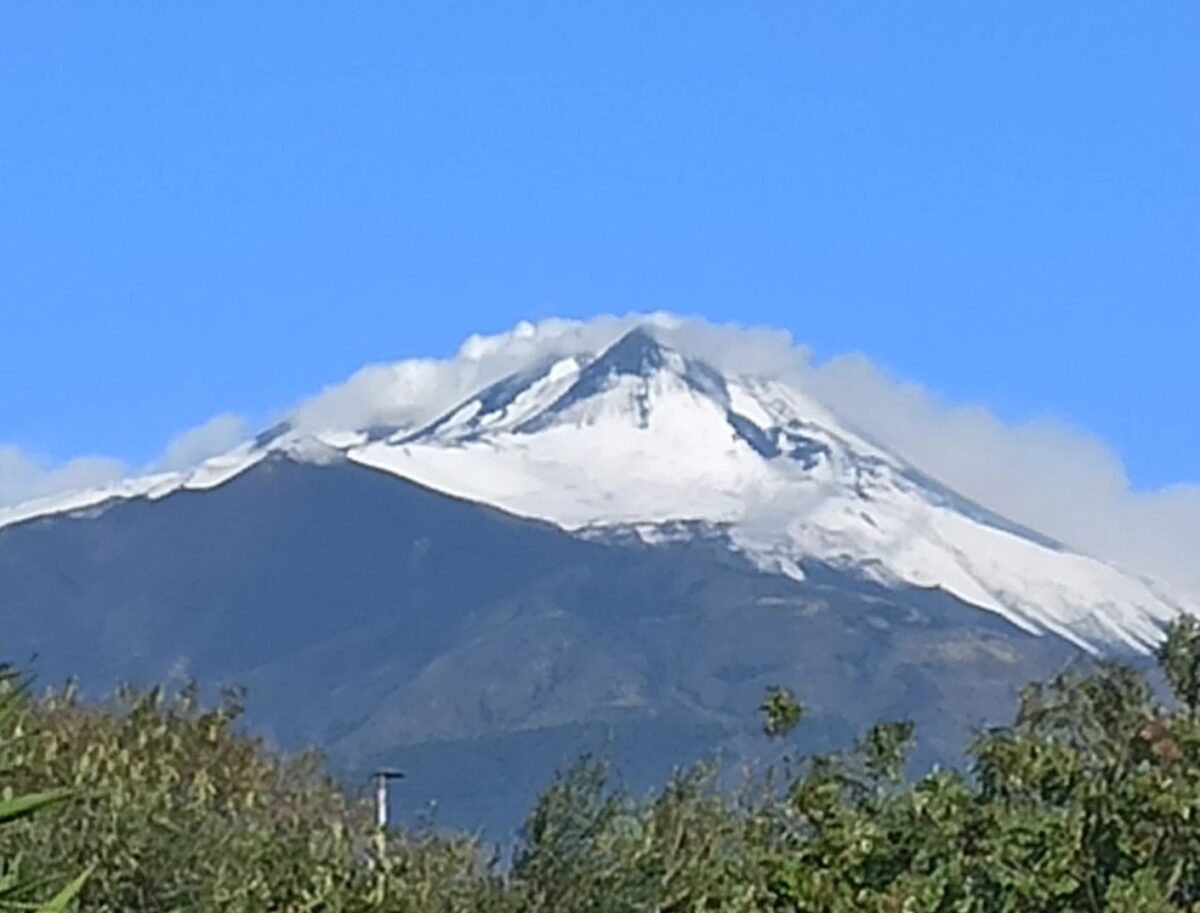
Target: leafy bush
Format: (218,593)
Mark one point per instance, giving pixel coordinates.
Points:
(177,811)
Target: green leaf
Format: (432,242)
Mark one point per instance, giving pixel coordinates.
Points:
(21,806)
(63,898)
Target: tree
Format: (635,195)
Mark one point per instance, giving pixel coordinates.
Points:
(15,887)
(781,712)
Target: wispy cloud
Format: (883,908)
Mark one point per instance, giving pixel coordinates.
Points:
(1045,474)
(25,477)
(219,434)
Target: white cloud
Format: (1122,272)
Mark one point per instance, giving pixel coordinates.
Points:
(23,477)
(1042,473)
(219,434)
(1054,478)
(411,392)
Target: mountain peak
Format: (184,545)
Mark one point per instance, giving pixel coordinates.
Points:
(638,352)
(638,362)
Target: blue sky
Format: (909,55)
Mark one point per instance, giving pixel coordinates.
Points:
(224,206)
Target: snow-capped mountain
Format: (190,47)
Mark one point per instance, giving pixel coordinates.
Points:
(612,547)
(641,437)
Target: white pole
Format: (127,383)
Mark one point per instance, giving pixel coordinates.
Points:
(381,800)
(381,795)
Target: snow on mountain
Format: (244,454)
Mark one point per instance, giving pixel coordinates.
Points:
(641,436)
(209,474)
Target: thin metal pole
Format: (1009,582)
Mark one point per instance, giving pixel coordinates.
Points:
(382,778)
(381,801)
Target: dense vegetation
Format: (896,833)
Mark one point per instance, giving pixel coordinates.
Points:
(1089,801)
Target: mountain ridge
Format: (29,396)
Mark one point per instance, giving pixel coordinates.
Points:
(638,434)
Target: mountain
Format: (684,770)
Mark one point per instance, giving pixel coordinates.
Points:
(616,549)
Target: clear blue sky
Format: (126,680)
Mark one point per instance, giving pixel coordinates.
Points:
(224,205)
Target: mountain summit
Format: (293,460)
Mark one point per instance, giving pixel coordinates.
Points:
(640,436)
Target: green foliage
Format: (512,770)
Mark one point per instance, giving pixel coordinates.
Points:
(177,811)
(781,712)
(1088,802)
(14,889)
(884,749)
(1179,657)
(588,848)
